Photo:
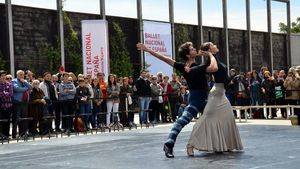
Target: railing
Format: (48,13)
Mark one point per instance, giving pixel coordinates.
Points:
(247,109)
(117,126)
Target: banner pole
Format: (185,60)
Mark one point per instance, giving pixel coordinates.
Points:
(102,9)
(140,35)
(171,16)
(61,31)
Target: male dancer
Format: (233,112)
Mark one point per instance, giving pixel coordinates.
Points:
(197,83)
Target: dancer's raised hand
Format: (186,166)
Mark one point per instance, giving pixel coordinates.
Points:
(141,47)
(187,69)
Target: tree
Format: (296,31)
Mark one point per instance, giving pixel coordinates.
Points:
(52,54)
(72,46)
(120,59)
(295,27)
(181,36)
(2,62)
(72,49)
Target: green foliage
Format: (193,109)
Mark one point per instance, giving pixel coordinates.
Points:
(72,46)
(119,56)
(72,50)
(295,27)
(3,63)
(53,56)
(181,36)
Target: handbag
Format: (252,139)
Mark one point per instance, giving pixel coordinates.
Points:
(78,124)
(129,100)
(160,99)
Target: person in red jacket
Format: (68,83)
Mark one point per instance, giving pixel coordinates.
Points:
(167,90)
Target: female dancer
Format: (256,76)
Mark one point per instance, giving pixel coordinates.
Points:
(197,83)
(216,130)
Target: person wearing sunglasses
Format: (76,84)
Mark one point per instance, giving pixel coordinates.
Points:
(6,94)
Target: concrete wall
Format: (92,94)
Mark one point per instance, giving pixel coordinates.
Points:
(34,27)
(295,52)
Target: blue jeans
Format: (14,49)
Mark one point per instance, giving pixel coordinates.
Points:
(94,118)
(180,111)
(197,102)
(20,110)
(144,105)
(67,109)
(85,110)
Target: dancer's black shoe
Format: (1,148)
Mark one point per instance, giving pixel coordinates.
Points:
(168,149)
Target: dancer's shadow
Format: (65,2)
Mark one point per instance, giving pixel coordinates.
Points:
(236,155)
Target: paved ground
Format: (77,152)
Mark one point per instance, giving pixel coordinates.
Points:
(268,144)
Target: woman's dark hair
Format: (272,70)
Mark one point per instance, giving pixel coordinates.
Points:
(65,74)
(92,84)
(184,50)
(257,77)
(109,82)
(46,73)
(205,46)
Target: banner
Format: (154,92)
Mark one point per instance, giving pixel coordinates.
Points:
(158,37)
(95,52)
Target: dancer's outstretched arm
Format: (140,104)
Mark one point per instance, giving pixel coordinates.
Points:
(159,56)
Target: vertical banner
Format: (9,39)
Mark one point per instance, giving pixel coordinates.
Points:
(95,52)
(157,36)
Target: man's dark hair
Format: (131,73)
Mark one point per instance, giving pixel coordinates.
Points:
(184,50)
(144,70)
(65,74)
(46,73)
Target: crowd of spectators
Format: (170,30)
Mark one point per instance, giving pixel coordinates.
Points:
(264,88)
(157,98)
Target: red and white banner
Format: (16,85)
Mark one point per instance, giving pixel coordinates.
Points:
(157,36)
(95,47)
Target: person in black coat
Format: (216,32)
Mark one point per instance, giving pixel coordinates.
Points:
(268,91)
(143,91)
(82,96)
